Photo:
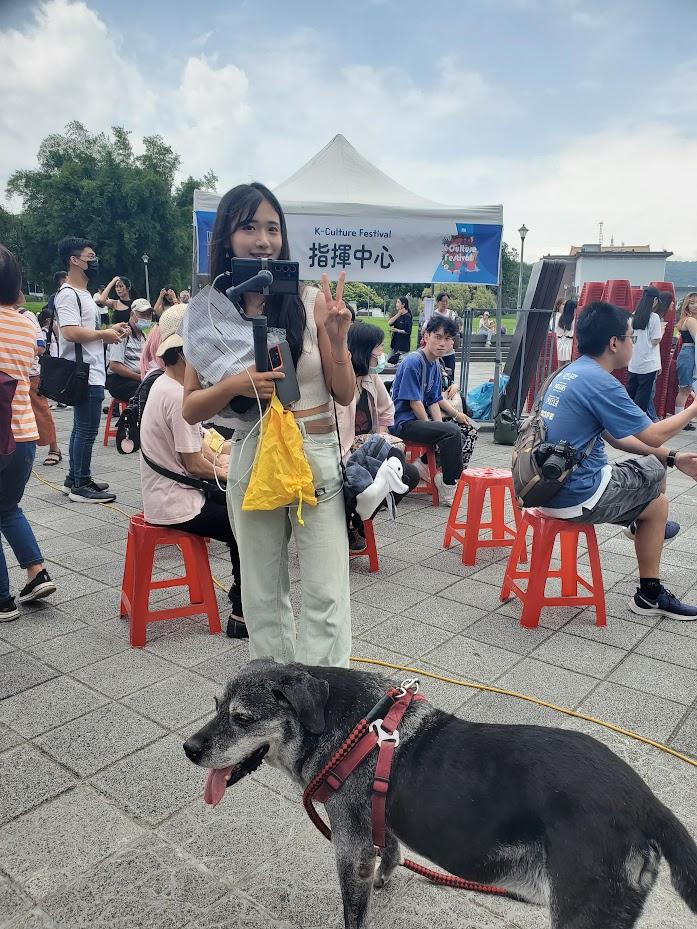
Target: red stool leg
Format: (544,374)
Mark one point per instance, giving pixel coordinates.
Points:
(141,590)
(371,547)
(455,510)
(475,504)
(189,548)
(517,516)
(596,576)
(568,541)
(497,501)
(433,470)
(107,426)
(514,559)
(128,575)
(201,567)
(542,546)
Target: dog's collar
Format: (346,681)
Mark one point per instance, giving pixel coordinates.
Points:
(379,728)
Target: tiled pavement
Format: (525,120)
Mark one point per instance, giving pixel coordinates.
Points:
(102,820)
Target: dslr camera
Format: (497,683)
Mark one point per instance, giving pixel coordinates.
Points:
(555,458)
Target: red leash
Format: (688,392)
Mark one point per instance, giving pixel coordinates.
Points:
(370,733)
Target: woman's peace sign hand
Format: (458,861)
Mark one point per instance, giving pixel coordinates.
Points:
(338,319)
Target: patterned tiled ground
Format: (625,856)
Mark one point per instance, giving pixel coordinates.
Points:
(102,821)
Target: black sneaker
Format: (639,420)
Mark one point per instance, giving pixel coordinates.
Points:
(89,493)
(68,485)
(666,605)
(672,529)
(690,427)
(357,542)
(236,628)
(42,586)
(8,610)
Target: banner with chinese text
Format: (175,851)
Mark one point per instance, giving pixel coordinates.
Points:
(413,249)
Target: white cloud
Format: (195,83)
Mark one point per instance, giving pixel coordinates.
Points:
(263,114)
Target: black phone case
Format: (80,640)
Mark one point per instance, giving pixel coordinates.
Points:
(286,274)
(287,388)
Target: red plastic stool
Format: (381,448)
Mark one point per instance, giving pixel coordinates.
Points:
(544,534)
(110,433)
(137,583)
(370,549)
(479,481)
(413,452)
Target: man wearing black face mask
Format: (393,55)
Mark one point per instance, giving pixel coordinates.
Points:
(78,318)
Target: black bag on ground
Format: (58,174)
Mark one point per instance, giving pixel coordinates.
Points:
(60,379)
(128,428)
(506,426)
(531,486)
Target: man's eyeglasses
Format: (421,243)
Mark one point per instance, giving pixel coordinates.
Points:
(633,337)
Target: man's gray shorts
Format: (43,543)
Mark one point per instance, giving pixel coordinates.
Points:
(634,484)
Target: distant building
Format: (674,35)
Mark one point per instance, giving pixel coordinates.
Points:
(637,264)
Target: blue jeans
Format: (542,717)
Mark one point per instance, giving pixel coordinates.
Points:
(15,470)
(87,417)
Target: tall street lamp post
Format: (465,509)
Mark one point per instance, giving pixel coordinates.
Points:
(522,232)
(147,280)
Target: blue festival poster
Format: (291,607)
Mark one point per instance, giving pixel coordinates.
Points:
(470,256)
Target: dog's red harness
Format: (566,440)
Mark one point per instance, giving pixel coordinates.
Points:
(379,728)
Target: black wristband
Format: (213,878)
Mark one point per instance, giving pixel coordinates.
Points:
(670,460)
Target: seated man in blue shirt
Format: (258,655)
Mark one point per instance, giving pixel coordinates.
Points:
(586,406)
(417,394)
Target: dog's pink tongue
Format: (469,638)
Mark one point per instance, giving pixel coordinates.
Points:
(216,782)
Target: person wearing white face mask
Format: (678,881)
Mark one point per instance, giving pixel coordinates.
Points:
(124,378)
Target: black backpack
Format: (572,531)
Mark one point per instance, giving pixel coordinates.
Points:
(128,428)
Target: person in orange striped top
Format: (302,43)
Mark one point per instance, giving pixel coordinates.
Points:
(17,353)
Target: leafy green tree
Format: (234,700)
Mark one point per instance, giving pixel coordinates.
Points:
(361,294)
(510,266)
(95,186)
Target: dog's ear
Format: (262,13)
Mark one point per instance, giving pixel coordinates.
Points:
(307,696)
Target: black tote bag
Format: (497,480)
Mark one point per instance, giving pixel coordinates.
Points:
(60,379)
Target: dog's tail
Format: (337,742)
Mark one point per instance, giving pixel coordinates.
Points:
(679,849)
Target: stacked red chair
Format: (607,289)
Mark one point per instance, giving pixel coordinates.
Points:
(547,362)
(590,292)
(143,540)
(636,296)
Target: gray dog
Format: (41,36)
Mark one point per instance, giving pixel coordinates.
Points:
(551,815)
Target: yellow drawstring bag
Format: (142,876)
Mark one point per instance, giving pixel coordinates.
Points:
(281,474)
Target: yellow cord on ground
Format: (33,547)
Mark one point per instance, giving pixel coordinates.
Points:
(549,706)
(486,687)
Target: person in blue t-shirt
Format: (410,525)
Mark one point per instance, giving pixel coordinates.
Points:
(417,394)
(586,406)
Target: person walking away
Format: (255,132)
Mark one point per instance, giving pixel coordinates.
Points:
(687,373)
(400,325)
(170,442)
(250,224)
(645,363)
(45,423)
(565,331)
(120,305)
(77,314)
(17,354)
(124,377)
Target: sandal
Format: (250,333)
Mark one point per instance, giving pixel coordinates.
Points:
(53,458)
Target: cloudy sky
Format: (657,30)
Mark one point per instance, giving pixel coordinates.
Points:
(568,112)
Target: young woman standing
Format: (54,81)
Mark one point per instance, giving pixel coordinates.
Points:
(687,327)
(645,362)
(400,323)
(250,224)
(565,331)
(120,306)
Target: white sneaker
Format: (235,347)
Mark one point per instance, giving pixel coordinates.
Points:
(446,492)
(422,468)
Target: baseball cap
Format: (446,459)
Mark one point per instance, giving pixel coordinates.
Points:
(170,328)
(141,305)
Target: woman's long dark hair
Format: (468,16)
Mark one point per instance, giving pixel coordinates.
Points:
(237,208)
(645,308)
(363,339)
(131,291)
(405,303)
(567,315)
(665,301)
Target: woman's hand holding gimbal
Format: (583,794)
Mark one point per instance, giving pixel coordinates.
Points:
(246,382)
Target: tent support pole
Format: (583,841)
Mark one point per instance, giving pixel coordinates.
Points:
(499,318)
